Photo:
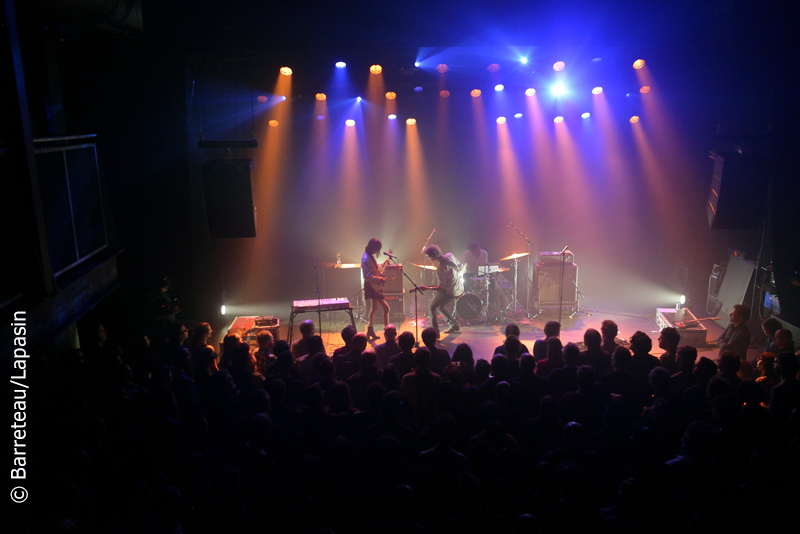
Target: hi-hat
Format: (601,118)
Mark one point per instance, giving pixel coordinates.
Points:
(429,267)
(515,256)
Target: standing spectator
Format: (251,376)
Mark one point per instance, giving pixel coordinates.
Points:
(389,348)
(403,362)
(440,358)
(551,329)
(594,354)
(264,355)
(299,347)
(609,330)
(420,386)
(669,340)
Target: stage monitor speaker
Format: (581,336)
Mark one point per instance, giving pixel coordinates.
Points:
(549,278)
(230,206)
(738,190)
(394,279)
(340,282)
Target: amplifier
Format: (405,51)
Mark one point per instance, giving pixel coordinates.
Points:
(554,258)
(267,320)
(549,282)
(691,330)
(396,303)
(394,279)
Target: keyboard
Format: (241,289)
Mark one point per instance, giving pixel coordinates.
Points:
(322,305)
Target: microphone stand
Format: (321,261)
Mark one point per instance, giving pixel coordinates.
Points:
(577,292)
(319,301)
(561,285)
(527,273)
(415,291)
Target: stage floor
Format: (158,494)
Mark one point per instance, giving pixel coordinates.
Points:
(483,338)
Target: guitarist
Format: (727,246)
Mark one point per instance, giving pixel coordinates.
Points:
(451,286)
(373,283)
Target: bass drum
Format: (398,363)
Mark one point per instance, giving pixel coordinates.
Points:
(469,307)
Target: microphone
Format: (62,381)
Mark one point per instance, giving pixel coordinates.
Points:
(508,226)
(564,249)
(390,255)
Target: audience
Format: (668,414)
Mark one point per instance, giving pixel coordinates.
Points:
(586,441)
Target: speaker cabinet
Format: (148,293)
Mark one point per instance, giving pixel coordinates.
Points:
(738,191)
(396,303)
(549,282)
(230,207)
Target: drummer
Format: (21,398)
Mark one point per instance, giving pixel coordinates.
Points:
(472,257)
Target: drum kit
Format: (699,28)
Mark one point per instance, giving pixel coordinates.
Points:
(489,296)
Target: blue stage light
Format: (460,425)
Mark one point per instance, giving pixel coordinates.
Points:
(392,117)
(340,64)
(320,117)
(418,88)
(499,87)
(358,99)
(518,115)
(416,63)
(559,90)
(585,115)
(523,60)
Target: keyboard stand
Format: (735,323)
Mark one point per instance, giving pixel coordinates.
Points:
(348,310)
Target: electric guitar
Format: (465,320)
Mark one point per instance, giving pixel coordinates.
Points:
(378,285)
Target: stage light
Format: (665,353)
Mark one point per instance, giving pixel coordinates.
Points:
(499,87)
(558,120)
(320,117)
(444,94)
(411,121)
(645,89)
(475,92)
(283,98)
(392,117)
(222,310)
(358,99)
(376,69)
(321,96)
(494,67)
(350,122)
(559,90)
(501,120)
(273,123)
(559,65)
(286,71)
(530,92)
(596,60)
(262,98)
(517,115)
(340,64)
(634,119)
(680,303)
(523,60)
(585,115)
(442,68)
(391,96)
(638,64)
(416,63)
(418,88)
(597,90)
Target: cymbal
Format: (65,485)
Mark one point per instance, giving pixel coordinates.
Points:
(428,267)
(515,256)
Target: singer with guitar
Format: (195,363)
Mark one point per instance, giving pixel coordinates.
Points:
(451,286)
(373,283)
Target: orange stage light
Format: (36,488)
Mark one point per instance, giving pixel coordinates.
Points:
(501,120)
(391,96)
(441,67)
(444,94)
(475,92)
(350,122)
(559,65)
(286,71)
(634,119)
(558,120)
(273,123)
(530,92)
(262,98)
(494,67)
(411,121)
(376,69)
(597,90)
(321,96)
(638,64)
(645,89)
